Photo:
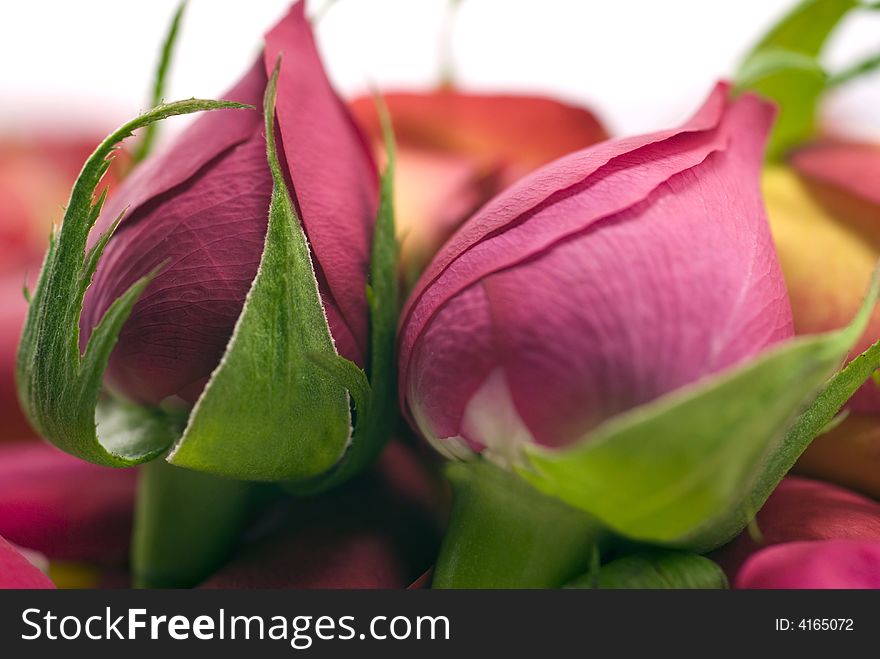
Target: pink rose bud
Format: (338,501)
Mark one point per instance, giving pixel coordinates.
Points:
(604,280)
(199,210)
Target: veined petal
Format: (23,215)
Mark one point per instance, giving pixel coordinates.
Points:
(578,291)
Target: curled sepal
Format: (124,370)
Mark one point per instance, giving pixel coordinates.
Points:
(784,67)
(58,386)
(269,412)
(690,468)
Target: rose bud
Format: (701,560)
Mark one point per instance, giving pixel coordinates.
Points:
(830,564)
(457,150)
(551,353)
(822,209)
(200,210)
(588,289)
(801,510)
(16,571)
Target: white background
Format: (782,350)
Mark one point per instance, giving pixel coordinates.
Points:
(641,64)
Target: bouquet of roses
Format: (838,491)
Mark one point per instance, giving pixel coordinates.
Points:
(448,339)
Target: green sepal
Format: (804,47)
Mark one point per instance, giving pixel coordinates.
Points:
(656,568)
(691,468)
(375,397)
(784,66)
(59,387)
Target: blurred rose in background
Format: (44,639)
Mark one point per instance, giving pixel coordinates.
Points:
(457,150)
(824,209)
(37,171)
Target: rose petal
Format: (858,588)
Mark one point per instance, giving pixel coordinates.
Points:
(804,509)
(457,150)
(13,309)
(827,564)
(17,572)
(63,507)
(517,132)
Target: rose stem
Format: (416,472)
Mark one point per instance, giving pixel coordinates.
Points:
(505,534)
(186,524)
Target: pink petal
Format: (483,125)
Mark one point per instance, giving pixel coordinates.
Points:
(850,166)
(17,572)
(825,564)
(804,509)
(63,507)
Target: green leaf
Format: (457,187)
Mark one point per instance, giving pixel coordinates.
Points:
(376,405)
(269,412)
(795,82)
(656,569)
(806,28)
(784,67)
(685,470)
(58,387)
(863,67)
(145,146)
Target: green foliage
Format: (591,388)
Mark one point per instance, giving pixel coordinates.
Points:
(784,66)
